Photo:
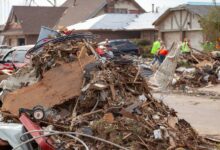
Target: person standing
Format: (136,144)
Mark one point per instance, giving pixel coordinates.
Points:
(162,53)
(185,47)
(154,51)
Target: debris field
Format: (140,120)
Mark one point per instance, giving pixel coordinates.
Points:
(93,105)
(196,70)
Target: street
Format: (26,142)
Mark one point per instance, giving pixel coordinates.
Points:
(201,112)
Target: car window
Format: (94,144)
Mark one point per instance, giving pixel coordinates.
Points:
(19,56)
(3,52)
(9,57)
(16,56)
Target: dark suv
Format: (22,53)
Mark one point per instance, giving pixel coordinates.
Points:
(119,47)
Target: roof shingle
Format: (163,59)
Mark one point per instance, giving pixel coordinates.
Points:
(83,9)
(32,18)
(115,22)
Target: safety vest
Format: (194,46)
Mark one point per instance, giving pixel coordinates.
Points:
(185,47)
(156,47)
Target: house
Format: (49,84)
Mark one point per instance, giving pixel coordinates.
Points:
(182,21)
(24,23)
(120,26)
(81,10)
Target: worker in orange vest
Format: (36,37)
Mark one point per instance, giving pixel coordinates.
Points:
(162,53)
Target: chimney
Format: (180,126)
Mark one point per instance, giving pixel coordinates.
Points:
(74,2)
(152,8)
(157,9)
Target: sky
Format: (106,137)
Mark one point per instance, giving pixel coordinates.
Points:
(5,5)
(147,4)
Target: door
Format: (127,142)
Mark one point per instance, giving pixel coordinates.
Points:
(170,37)
(196,39)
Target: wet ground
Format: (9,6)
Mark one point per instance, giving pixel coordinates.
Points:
(200,111)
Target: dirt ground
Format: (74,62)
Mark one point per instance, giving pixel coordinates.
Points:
(200,111)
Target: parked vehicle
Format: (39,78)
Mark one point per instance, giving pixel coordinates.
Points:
(4,47)
(14,59)
(3,52)
(120,46)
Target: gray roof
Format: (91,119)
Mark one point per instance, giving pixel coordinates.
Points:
(116,22)
(32,18)
(83,10)
(200,10)
(105,22)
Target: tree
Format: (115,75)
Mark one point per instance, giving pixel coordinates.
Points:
(211,24)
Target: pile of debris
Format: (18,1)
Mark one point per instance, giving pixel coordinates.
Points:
(85,103)
(196,70)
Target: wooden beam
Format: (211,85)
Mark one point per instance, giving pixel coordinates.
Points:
(175,18)
(181,19)
(185,20)
(172,22)
(191,21)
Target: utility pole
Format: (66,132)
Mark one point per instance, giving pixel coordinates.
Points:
(214,1)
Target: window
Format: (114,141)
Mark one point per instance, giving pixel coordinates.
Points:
(21,41)
(17,56)
(120,11)
(9,57)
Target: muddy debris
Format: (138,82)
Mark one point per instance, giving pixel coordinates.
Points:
(113,107)
(87,104)
(196,70)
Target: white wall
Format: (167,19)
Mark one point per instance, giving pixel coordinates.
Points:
(166,24)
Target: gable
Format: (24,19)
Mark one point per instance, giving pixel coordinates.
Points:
(179,20)
(14,23)
(124,6)
(30,19)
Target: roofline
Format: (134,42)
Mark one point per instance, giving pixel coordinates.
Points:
(167,12)
(9,17)
(98,9)
(162,16)
(139,6)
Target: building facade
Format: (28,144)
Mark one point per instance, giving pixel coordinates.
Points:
(182,22)
(24,23)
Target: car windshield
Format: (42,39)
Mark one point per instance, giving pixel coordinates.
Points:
(16,56)
(3,52)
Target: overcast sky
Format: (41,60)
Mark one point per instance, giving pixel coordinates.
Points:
(147,4)
(5,5)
